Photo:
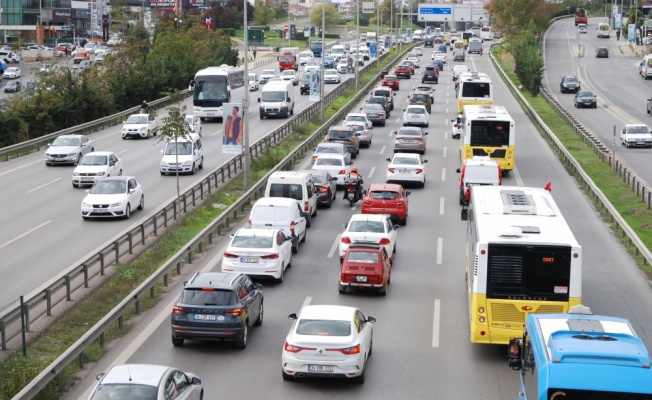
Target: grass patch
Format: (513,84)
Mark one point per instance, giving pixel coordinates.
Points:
(17,371)
(628,204)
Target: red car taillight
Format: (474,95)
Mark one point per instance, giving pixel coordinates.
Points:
(346,278)
(400,203)
(342,172)
(295,349)
(229,255)
(455,125)
(348,350)
(323,189)
(292,226)
(419,171)
(384,241)
(176,310)
(346,239)
(272,256)
(382,113)
(391,170)
(352,140)
(306,206)
(236,312)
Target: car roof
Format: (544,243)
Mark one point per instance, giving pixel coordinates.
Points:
(135,374)
(368,217)
(327,312)
(331,155)
(341,127)
(71,135)
(256,232)
(329,144)
(392,187)
(216,280)
(415,106)
(276,201)
(99,153)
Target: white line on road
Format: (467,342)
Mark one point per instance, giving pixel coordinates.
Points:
(306,302)
(435,324)
(519,181)
(445,150)
(441,206)
(335,246)
(43,185)
(24,234)
(440,249)
(390,133)
(398,119)
(443,174)
(371,173)
(382,150)
(22,166)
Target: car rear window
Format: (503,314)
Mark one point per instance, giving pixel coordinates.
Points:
(366,226)
(367,257)
(207,297)
(384,195)
(416,110)
(339,134)
(253,242)
(320,327)
(125,391)
(409,132)
(327,150)
(405,161)
(329,162)
(287,190)
(385,93)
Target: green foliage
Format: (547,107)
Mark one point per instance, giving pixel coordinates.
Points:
(17,371)
(331,15)
(263,14)
(529,64)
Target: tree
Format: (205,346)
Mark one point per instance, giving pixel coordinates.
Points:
(263,14)
(529,64)
(331,15)
(512,17)
(280,7)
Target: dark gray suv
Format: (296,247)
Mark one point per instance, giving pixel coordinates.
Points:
(569,83)
(345,135)
(217,306)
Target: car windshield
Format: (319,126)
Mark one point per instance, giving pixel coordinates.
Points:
(420,97)
(426,88)
(638,129)
(94,160)
(330,73)
(384,195)
(377,100)
(416,110)
(405,160)
(109,187)
(206,297)
(373,108)
(320,327)
(268,72)
(137,119)
(585,94)
(252,242)
(65,141)
(125,391)
(336,162)
(367,257)
(273,96)
(366,226)
(252,78)
(327,150)
(571,79)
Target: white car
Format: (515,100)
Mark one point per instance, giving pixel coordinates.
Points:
(456,127)
(369,228)
(331,148)
(258,253)
(266,75)
(416,115)
(415,60)
(290,75)
(68,149)
(342,66)
(358,119)
(406,167)
(305,56)
(418,51)
(111,197)
(329,341)
(139,126)
(335,164)
(636,135)
(311,66)
(254,84)
(331,76)
(194,123)
(581,28)
(439,56)
(12,73)
(95,166)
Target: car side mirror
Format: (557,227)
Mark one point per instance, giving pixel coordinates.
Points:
(458,170)
(344,225)
(425,133)
(425,161)
(465,214)
(259,99)
(370,319)
(231,236)
(195,381)
(404,110)
(388,159)
(292,316)
(100,376)
(288,99)
(349,163)
(396,226)
(407,193)
(259,286)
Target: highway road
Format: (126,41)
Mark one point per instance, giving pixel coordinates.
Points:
(622,92)
(421,340)
(43,232)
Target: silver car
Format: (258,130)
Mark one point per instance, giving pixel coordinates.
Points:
(410,139)
(68,149)
(331,148)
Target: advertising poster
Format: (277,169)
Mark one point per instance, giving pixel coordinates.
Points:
(315,85)
(233,131)
(373,50)
(631,31)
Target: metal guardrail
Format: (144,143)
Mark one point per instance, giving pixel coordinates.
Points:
(207,235)
(628,175)
(39,143)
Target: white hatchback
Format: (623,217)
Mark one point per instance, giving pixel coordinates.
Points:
(258,253)
(328,341)
(358,119)
(95,166)
(439,56)
(406,167)
(369,228)
(416,115)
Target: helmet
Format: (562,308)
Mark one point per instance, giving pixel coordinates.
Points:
(354,170)
(145,102)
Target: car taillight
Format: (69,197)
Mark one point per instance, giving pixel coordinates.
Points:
(229,255)
(272,256)
(326,139)
(419,171)
(382,113)
(314,157)
(249,223)
(367,202)
(348,350)
(346,239)
(455,125)
(400,203)
(352,140)
(342,172)
(295,349)
(375,279)
(292,226)
(391,170)
(176,310)
(384,241)
(236,312)
(418,139)
(306,206)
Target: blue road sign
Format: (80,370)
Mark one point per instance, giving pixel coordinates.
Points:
(436,10)
(373,50)
(428,31)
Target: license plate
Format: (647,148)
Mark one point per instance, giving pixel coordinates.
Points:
(640,143)
(361,279)
(204,317)
(100,211)
(404,171)
(87,179)
(210,113)
(249,259)
(409,141)
(320,368)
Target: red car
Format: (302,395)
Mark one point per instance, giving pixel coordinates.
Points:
(365,266)
(387,198)
(391,81)
(403,71)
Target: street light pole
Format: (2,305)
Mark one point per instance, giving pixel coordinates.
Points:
(357,48)
(323,47)
(245,105)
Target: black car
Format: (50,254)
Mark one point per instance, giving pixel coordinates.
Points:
(602,52)
(217,306)
(569,83)
(429,42)
(325,185)
(430,74)
(383,101)
(585,98)
(376,113)
(12,87)
(421,98)
(304,84)
(346,135)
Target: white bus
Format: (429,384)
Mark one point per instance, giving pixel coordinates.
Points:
(474,88)
(488,130)
(485,33)
(521,258)
(213,87)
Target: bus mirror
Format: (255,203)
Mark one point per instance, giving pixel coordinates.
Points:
(514,354)
(458,170)
(465,214)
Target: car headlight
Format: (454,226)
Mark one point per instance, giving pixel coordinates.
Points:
(164,164)
(100,173)
(187,163)
(72,154)
(75,173)
(85,204)
(117,203)
(284,104)
(142,128)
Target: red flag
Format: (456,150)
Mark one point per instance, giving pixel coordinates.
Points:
(548,187)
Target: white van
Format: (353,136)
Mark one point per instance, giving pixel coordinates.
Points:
(185,155)
(280,213)
(296,185)
(479,170)
(459,70)
(603,30)
(338,50)
(277,99)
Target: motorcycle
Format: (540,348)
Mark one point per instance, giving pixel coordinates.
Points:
(352,190)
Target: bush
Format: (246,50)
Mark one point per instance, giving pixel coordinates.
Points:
(331,36)
(227,31)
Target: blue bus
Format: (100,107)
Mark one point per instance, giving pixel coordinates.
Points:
(317,47)
(580,356)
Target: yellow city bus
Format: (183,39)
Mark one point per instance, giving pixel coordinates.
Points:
(488,130)
(474,88)
(521,258)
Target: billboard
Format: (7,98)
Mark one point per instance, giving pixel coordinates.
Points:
(315,85)
(233,129)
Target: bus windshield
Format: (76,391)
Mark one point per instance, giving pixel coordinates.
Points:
(490,133)
(210,90)
(476,89)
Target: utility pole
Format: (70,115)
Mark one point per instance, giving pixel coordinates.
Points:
(357,48)
(245,105)
(321,68)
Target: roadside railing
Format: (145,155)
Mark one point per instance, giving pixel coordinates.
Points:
(207,236)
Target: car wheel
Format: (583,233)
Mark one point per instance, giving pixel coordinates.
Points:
(142,202)
(287,377)
(259,321)
(341,288)
(280,278)
(576,105)
(309,221)
(305,236)
(177,342)
(79,157)
(360,378)
(403,222)
(201,163)
(75,185)
(242,342)
(383,290)
(194,169)
(595,106)
(128,211)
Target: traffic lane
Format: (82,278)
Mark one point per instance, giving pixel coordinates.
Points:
(28,72)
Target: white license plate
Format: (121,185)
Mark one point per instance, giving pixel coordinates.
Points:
(361,279)
(248,259)
(210,113)
(409,141)
(404,171)
(204,317)
(100,211)
(87,179)
(320,368)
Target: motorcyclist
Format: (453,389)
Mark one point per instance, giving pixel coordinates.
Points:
(354,177)
(144,107)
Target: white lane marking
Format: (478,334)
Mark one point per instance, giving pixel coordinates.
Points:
(382,150)
(306,302)
(435,324)
(43,185)
(217,133)
(24,234)
(371,173)
(390,133)
(441,206)
(335,246)
(440,249)
(355,206)
(445,149)
(443,174)
(398,119)
(23,166)
(519,181)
